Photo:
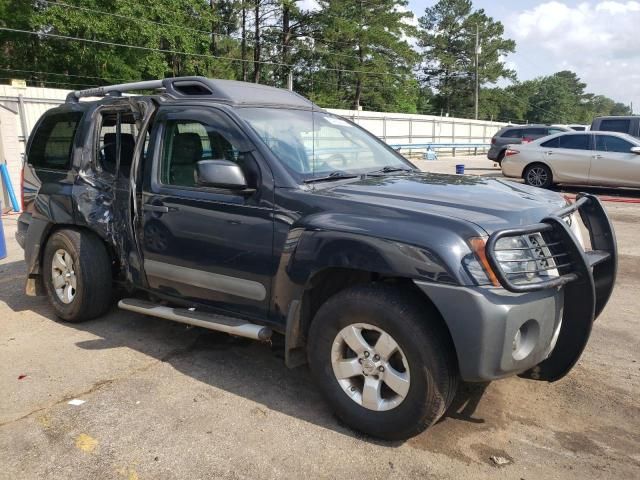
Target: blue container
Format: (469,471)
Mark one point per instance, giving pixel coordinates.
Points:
(3,245)
(460,169)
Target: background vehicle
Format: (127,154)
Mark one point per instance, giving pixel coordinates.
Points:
(516,134)
(592,158)
(247,209)
(575,127)
(620,124)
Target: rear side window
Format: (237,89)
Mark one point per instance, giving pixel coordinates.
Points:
(615,125)
(609,143)
(574,142)
(53,141)
(553,143)
(512,133)
(535,132)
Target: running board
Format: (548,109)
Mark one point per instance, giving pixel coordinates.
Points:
(220,323)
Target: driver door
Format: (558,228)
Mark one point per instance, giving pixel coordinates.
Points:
(613,163)
(209,245)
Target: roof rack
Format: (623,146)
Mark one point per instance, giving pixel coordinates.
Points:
(176,86)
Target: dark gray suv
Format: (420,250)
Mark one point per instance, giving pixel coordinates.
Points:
(247,209)
(514,134)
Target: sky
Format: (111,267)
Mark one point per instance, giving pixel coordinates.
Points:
(597,39)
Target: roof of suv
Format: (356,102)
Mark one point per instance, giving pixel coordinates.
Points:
(201,88)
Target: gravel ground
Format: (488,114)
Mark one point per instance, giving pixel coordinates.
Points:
(162,400)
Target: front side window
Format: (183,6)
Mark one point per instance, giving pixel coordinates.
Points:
(615,125)
(574,142)
(609,143)
(316,143)
(185,143)
(52,142)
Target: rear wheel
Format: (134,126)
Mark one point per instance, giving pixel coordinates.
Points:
(77,275)
(538,175)
(382,360)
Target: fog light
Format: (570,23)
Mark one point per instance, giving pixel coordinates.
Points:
(524,340)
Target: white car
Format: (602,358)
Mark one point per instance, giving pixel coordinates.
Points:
(583,158)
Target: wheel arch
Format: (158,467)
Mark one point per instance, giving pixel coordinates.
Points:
(330,281)
(35,255)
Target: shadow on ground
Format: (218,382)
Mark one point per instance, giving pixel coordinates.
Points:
(242,367)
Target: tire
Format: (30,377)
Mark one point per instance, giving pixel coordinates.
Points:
(90,268)
(538,175)
(422,341)
(500,157)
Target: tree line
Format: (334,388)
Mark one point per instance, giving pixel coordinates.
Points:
(371,54)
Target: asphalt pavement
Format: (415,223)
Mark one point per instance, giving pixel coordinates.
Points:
(152,399)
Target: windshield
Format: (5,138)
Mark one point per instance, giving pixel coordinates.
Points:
(317,144)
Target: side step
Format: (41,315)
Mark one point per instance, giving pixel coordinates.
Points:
(220,323)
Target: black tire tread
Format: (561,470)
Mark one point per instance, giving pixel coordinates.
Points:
(93,271)
(415,313)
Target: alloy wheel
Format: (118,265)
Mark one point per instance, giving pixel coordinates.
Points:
(63,277)
(370,367)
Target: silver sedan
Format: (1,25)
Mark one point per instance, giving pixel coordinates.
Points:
(583,158)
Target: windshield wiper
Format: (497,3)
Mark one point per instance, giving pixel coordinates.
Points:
(337,175)
(389,169)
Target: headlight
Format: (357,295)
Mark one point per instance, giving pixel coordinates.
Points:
(524,259)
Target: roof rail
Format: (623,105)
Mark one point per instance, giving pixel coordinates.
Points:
(123,87)
(175,86)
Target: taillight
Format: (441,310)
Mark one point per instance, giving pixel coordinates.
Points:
(527,140)
(493,140)
(511,152)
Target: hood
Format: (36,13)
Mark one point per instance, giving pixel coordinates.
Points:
(490,203)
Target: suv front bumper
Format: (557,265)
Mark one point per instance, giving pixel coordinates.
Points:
(485,321)
(542,328)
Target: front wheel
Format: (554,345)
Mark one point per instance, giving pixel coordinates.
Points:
(383,361)
(538,175)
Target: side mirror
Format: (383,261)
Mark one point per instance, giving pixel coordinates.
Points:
(635,150)
(220,174)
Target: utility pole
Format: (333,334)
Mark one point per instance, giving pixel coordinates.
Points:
(477,69)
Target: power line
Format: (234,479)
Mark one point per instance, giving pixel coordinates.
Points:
(177,52)
(54,83)
(208,33)
(191,29)
(64,74)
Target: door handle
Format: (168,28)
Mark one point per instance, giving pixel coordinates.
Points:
(548,153)
(148,207)
(597,156)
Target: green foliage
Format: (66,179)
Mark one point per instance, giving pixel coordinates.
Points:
(557,98)
(361,56)
(344,54)
(448,39)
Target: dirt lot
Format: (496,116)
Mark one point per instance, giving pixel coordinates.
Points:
(166,401)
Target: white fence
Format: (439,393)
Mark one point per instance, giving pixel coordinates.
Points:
(20,109)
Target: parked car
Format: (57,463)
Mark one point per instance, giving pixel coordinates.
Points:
(592,158)
(515,134)
(247,209)
(621,124)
